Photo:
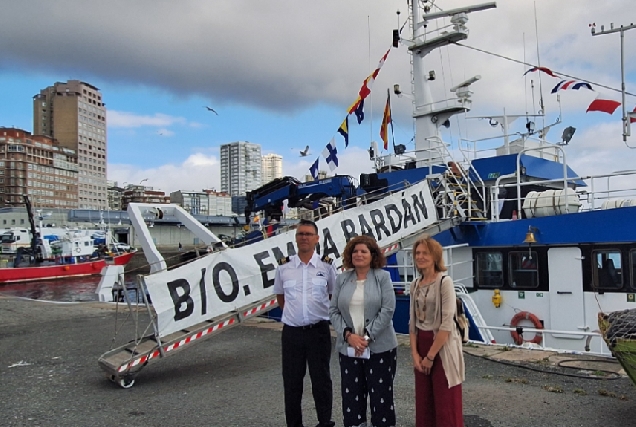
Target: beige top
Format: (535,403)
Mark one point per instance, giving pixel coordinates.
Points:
(356,308)
(430,313)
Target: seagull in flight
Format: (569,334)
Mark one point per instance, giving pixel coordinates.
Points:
(211,109)
(304,152)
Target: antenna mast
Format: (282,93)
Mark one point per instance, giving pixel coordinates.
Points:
(622,29)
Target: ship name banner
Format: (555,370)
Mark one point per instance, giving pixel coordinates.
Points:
(225,281)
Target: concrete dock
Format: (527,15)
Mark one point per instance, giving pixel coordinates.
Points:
(50,377)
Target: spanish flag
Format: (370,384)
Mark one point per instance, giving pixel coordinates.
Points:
(344,130)
(386,120)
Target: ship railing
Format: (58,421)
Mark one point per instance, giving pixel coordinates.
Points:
(591,199)
(336,206)
(596,197)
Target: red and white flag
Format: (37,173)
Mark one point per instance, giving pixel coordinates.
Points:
(365,90)
(604,104)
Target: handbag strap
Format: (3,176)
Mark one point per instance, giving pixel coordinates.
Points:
(440,298)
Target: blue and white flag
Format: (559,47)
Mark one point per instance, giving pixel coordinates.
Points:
(331,154)
(314,169)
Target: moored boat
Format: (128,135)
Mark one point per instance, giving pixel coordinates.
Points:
(45,271)
(50,253)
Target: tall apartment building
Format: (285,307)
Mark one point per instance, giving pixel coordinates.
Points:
(75,115)
(240,171)
(272,167)
(39,167)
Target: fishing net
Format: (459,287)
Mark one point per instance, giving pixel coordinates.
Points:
(619,332)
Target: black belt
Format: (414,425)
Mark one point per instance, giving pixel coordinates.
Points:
(313,325)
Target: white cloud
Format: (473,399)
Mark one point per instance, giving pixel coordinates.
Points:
(123,119)
(199,171)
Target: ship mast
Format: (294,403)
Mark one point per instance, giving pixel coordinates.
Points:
(429,115)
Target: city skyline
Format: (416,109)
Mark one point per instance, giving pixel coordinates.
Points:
(159,127)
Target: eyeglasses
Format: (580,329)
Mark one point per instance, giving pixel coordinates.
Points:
(305,234)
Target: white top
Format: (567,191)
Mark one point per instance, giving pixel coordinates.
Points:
(356,308)
(306,288)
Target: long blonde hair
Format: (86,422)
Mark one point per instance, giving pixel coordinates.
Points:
(434,248)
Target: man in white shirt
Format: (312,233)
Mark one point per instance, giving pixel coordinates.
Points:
(303,286)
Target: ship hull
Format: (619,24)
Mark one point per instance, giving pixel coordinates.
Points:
(45,272)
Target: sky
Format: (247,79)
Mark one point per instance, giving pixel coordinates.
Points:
(282,73)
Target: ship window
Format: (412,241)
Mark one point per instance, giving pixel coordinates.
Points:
(632,261)
(608,270)
(524,272)
(489,269)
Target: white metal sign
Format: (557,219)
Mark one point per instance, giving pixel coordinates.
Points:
(224,281)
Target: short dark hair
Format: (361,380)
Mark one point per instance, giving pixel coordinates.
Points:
(309,223)
(377,257)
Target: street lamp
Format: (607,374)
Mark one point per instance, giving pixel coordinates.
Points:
(143,180)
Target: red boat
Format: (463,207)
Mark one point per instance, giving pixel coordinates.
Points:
(73,253)
(56,271)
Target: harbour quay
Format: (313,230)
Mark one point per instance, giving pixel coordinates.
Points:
(50,377)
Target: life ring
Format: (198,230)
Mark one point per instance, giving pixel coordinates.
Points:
(526,315)
(78,250)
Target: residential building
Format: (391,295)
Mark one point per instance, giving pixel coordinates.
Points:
(75,115)
(115,193)
(272,168)
(141,194)
(240,167)
(39,167)
(204,202)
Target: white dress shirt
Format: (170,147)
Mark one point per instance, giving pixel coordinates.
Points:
(306,288)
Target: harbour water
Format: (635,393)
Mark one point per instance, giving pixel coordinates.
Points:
(72,289)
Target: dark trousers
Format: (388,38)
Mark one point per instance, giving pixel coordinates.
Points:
(304,347)
(436,405)
(371,377)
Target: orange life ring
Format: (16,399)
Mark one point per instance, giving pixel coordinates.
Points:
(526,315)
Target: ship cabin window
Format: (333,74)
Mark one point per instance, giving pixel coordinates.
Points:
(489,269)
(632,262)
(524,270)
(607,269)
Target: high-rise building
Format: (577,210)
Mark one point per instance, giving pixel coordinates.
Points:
(272,167)
(240,170)
(74,114)
(37,166)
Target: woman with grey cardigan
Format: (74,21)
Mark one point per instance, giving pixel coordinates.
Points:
(361,312)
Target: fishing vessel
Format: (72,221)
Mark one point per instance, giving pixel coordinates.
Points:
(52,253)
(535,250)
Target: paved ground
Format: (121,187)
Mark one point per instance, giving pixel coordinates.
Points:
(50,377)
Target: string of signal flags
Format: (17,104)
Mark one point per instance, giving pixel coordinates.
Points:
(330,152)
(602,103)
